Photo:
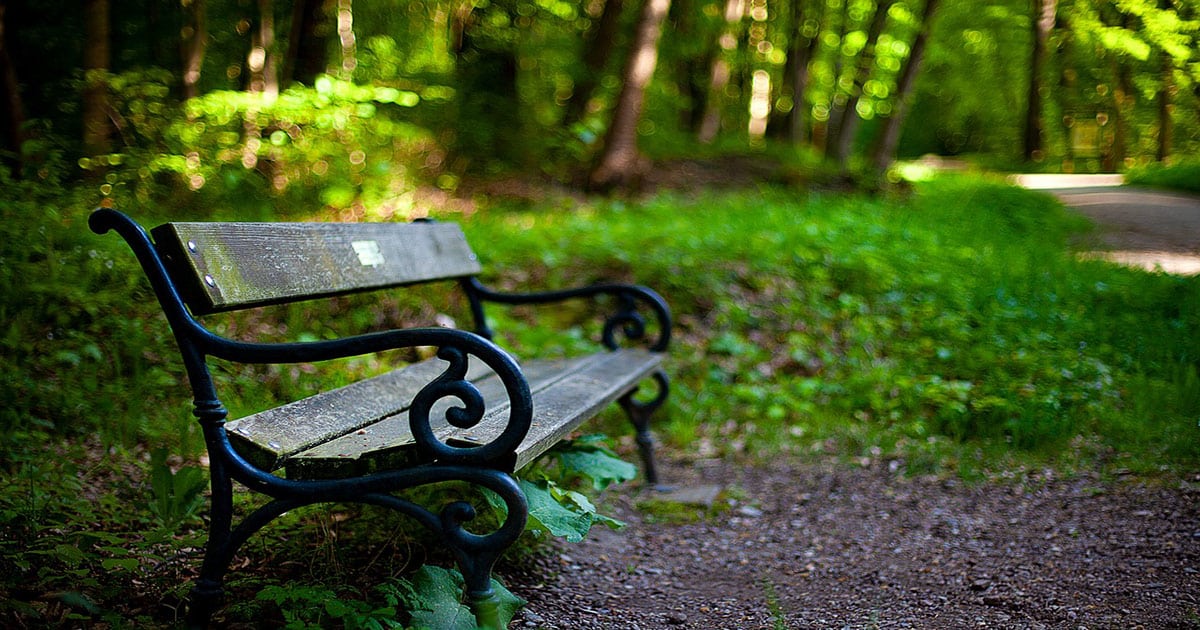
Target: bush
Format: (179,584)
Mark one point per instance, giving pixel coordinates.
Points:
(337,144)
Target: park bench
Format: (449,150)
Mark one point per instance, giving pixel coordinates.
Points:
(470,414)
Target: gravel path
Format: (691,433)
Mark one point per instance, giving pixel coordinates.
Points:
(1152,229)
(827,545)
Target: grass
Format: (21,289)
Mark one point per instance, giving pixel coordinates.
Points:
(960,317)
(1182,175)
(952,330)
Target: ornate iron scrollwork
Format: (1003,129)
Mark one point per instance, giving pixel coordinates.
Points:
(453,383)
(627,319)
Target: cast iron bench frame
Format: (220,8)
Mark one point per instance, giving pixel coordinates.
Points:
(473,388)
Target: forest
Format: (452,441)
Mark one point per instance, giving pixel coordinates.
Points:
(753,160)
(190,90)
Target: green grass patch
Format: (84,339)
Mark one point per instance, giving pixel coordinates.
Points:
(958,317)
(1183,175)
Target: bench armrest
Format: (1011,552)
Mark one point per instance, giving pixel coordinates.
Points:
(627,319)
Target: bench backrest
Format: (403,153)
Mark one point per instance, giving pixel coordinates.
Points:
(228,266)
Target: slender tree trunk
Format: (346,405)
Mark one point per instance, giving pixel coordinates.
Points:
(720,74)
(264,77)
(838,148)
(620,161)
(689,68)
(307,44)
(488,100)
(1043,21)
(888,139)
(1123,102)
(779,122)
(11,107)
(825,131)
(1164,108)
(805,50)
(97,130)
(193,43)
(598,50)
(345,31)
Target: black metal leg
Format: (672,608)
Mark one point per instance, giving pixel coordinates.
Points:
(204,600)
(639,414)
(481,597)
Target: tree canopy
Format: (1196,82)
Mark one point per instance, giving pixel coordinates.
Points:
(196,87)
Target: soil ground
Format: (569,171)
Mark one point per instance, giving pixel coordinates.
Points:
(826,544)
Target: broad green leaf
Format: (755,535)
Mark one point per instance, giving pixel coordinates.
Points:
(435,596)
(546,513)
(600,466)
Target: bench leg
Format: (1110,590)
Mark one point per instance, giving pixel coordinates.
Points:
(639,413)
(208,594)
(483,600)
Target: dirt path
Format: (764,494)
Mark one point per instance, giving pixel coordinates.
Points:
(827,545)
(1152,229)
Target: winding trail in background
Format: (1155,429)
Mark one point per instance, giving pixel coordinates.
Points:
(1141,227)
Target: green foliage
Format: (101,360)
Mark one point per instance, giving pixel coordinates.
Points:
(433,598)
(961,314)
(319,607)
(75,323)
(557,509)
(589,458)
(348,145)
(176,495)
(1183,175)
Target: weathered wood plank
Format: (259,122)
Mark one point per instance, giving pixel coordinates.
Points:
(565,394)
(561,408)
(389,442)
(225,266)
(270,437)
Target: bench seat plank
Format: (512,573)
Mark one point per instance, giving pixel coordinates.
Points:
(268,438)
(565,393)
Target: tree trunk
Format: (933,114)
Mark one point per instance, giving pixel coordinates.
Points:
(193,43)
(620,162)
(597,51)
(884,150)
(97,131)
(1123,102)
(720,74)
(306,57)
(11,107)
(799,117)
(1164,108)
(838,148)
(779,122)
(489,118)
(264,78)
(1042,22)
(345,31)
(824,131)
(690,69)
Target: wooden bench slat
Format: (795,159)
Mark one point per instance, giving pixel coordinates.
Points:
(270,437)
(565,393)
(388,443)
(560,409)
(222,266)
